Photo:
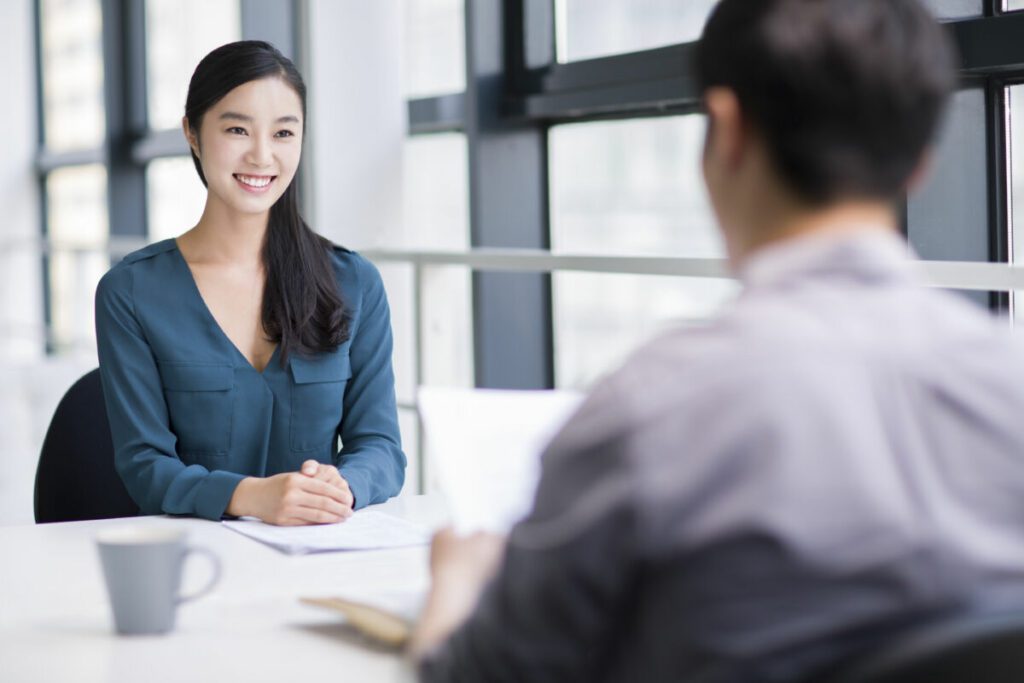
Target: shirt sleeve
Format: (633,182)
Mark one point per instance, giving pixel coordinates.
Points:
(562,592)
(371,459)
(144,446)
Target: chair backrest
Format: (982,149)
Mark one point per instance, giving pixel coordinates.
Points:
(967,649)
(76,478)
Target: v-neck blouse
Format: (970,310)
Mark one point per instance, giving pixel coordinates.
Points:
(189,415)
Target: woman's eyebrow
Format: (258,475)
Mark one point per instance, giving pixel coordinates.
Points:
(244,117)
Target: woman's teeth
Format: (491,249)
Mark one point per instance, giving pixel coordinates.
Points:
(254,181)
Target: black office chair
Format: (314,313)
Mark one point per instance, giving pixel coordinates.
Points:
(76,478)
(967,649)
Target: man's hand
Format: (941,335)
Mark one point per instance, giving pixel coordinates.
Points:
(460,567)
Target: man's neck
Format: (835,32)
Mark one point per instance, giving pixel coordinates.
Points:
(794,222)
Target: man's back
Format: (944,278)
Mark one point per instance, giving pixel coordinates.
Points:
(840,455)
(833,460)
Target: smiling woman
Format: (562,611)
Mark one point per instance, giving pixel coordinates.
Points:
(234,357)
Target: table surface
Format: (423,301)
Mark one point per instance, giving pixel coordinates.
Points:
(55,623)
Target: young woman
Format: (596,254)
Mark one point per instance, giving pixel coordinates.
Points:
(235,356)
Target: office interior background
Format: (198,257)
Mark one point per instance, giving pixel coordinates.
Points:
(525,174)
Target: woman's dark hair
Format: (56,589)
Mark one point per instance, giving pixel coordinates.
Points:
(302,308)
(846,93)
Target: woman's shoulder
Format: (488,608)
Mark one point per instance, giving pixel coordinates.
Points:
(353,270)
(120,277)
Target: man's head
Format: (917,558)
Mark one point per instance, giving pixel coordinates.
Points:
(835,100)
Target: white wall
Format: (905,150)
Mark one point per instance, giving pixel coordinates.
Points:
(21,310)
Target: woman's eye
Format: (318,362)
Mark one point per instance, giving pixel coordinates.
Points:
(237,130)
(285,134)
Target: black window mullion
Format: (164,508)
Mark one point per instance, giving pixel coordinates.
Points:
(124,85)
(508,207)
(998,190)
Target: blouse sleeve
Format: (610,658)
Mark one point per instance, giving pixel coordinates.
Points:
(371,459)
(144,445)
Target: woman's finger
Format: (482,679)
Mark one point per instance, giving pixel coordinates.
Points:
(342,494)
(324,503)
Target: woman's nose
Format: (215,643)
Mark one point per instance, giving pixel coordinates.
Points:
(259,153)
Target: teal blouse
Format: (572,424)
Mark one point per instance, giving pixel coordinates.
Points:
(191,417)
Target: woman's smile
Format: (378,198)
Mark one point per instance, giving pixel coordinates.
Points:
(256,184)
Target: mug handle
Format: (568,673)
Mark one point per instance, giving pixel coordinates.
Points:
(215,562)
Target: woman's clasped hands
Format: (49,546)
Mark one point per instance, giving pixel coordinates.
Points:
(316,494)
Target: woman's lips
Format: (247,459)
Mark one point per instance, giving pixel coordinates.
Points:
(254,184)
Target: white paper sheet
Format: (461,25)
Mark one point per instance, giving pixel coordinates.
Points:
(485,447)
(365,530)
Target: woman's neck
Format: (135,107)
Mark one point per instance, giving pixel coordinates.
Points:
(226,237)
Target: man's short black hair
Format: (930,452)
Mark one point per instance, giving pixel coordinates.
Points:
(846,93)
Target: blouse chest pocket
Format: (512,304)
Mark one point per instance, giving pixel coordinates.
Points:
(318,389)
(200,401)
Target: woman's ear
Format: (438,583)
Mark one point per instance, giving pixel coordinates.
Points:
(190,136)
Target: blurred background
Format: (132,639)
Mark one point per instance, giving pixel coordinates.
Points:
(523,172)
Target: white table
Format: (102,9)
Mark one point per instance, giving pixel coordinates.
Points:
(55,622)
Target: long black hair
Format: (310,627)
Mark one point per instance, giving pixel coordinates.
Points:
(302,311)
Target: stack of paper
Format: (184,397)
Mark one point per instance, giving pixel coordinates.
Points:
(365,530)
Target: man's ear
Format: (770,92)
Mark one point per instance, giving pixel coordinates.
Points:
(921,170)
(190,136)
(726,137)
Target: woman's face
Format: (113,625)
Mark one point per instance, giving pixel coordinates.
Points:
(249,144)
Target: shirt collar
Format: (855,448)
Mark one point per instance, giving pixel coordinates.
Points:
(857,255)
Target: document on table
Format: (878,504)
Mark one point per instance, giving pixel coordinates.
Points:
(485,445)
(365,530)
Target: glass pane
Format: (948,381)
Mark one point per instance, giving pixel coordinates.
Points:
(600,318)
(435,209)
(435,203)
(435,193)
(947,217)
(435,44)
(176,197)
(631,187)
(178,34)
(447,326)
(955,9)
(77,231)
(597,28)
(627,187)
(1014,5)
(72,56)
